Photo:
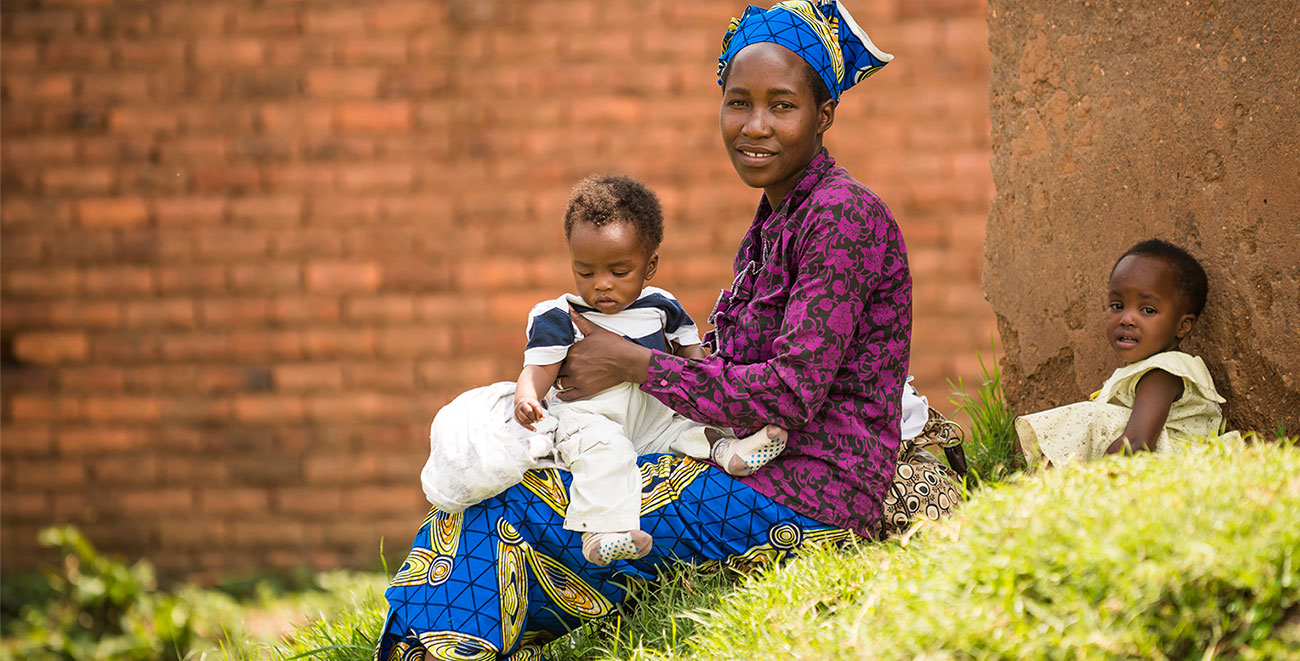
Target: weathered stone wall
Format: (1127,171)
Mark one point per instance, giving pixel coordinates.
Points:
(1118,121)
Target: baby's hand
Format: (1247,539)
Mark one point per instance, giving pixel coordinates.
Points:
(529,411)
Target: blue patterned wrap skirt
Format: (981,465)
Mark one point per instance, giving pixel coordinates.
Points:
(504,577)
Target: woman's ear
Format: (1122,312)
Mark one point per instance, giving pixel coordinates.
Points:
(651,266)
(1185,325)
(825,116)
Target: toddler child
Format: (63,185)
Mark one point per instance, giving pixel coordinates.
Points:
(613,225)
(1162,396)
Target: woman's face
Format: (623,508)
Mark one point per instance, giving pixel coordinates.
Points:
(771,125)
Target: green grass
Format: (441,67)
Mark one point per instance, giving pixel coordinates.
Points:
(991,451)
(1179,557)
(1138,557)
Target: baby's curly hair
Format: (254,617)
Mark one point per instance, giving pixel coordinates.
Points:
(604,199)
(1192,283)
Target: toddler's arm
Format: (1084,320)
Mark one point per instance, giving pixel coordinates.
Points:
(1156,391)
(533,383)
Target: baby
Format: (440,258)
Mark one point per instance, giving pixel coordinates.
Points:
(1162,396)
(613,225)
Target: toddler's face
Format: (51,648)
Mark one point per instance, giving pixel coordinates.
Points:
(1145,313)
(610,267)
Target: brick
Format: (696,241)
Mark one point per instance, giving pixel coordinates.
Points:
(384,499)
(189,211)
(227,179)
(19,212)
(268,408)
(40,149)
(173,313)
(312,242)
(226,52)
(25,440)
(122,408)
(344,210)
(230,243)
(53,475)
(267,210)
(382,377)
(311,118)
(42,283)
(266,345)
(25,407)
(405,17)
(146,502)
(117,281)
(115,148)
(143,120)
(190,533)
(357,406)
(234,311)
(332,343)
(413,342)
(453,371)
(124,470)
(149,53)
(263,20)
(307,377)
(294,310)
(26,505)
(265,278)
(334,83)
(77,181)
(416,276)
(51,348)
(193,19)
(301,177)
(191,279)
(334,21)
(377,50)
(98,440)
(373,117)
(24,249)
(191,150)
(374,309)
(332,147)
(193,346)
(308,500)
(49,87)
(342,277)
(112,212)
(81,55)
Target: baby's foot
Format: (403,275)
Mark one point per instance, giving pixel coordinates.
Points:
(743,456)
(603,548)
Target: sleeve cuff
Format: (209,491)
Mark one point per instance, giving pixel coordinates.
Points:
(665,375)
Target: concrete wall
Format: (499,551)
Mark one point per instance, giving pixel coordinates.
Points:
(249,248)
(1115,122)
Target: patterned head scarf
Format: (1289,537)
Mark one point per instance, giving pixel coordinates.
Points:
(820,31)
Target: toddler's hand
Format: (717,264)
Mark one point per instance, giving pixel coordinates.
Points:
(527,412)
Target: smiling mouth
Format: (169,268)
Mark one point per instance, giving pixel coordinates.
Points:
(755,157)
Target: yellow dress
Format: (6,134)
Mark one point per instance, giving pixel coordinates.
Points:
(1082,431)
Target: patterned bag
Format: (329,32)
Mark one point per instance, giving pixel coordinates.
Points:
(924,485)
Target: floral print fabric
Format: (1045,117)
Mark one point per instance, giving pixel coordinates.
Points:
(814,335)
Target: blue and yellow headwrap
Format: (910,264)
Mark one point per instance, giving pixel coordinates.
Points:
(821,32)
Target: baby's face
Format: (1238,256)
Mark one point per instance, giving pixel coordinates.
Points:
(1145,313)
(610,267)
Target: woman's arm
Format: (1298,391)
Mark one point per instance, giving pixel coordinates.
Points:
(836,274)
(1156,391)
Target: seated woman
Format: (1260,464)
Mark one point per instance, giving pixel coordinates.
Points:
(813,336)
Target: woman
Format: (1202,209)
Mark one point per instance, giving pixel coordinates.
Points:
(813,336)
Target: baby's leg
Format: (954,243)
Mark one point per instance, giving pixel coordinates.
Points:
(605,495)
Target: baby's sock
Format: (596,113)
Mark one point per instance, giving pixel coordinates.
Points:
(743,456)
(603,548)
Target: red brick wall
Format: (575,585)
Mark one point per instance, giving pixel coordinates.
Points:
(249,248)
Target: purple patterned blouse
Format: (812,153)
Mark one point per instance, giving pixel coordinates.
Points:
(813,336)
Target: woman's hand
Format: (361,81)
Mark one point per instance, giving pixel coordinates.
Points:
(600,360)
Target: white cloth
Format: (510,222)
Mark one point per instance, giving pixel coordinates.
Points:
(477,450)
(916,411)
(599,438)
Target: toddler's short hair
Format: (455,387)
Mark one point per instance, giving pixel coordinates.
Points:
(1190,277)
(603,199)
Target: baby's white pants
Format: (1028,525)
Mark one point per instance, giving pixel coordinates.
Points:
(600,438)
